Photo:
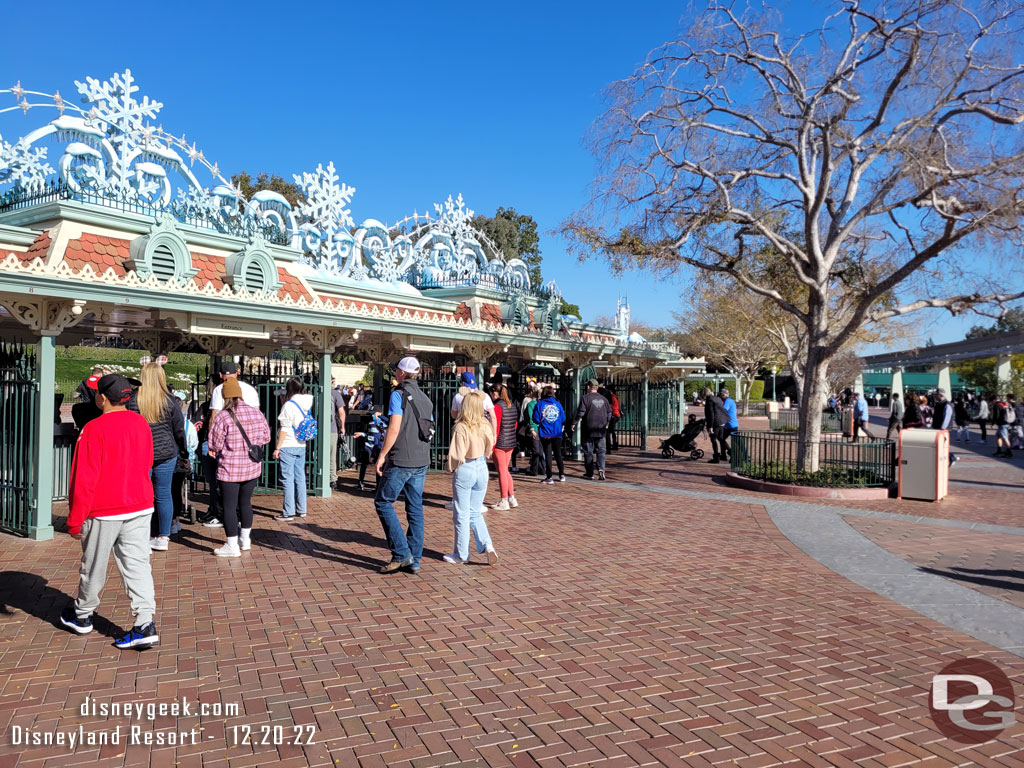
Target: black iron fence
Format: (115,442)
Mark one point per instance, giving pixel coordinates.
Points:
(18,395)
(772,457)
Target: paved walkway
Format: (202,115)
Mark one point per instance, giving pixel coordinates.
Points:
(659,619)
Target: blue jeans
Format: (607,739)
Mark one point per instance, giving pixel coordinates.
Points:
(404,545)
(469,485)
(293,475)
(161,475)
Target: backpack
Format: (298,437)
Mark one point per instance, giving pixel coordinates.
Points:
(424,425)
(1011,414)
(307,428)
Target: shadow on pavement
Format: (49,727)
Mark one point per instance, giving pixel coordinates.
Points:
(30,594)
(974,576)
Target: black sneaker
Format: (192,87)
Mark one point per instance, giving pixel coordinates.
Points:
(715,461)
(70,619)
(139,637)
(588,477)
(396,565)
(412,569)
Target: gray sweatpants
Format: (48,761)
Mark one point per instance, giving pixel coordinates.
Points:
(129,539)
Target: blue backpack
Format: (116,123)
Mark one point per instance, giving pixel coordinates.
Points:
(306,430)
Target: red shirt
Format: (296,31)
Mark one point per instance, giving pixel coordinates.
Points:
(110,473)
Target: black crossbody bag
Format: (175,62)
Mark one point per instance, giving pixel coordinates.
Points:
(256,452)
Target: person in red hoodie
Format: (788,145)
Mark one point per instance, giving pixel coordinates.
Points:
(111,507)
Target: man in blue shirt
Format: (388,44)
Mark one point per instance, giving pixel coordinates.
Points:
(402,467)
(860,417)
(733,424)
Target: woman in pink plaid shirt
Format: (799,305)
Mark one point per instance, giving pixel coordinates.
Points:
(236,472)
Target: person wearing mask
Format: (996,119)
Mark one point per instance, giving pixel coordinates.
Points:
(983,417)
(471,443)
(896,412)
(549,417)
(942,416)
(911,412)
(731,425)
(594,413)
(154,401)
(110,508)
(963,420)
(861,419)
(290,450)
(236,428)
(616,404)
(715,418)
(337,430)
(402,467)
(506,416)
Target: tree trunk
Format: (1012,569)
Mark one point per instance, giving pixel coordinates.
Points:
(814,395)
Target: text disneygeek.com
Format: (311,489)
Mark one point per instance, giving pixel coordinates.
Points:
(134,733)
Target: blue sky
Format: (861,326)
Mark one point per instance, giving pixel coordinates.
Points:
(411,101)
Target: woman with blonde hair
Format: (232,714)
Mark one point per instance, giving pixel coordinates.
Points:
(471,444)
(154,401)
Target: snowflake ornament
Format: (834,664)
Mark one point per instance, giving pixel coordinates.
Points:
(326,204)
(24,165)
(455,219)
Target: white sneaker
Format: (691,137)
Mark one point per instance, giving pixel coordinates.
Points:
(158,543)
(492,555)
(512,502)
(230,549)
(244,542)
(175,527)
(454,560)
(215,523)
(483,510)
(501,505)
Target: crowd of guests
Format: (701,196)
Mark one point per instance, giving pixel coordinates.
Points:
(138,442)
(1000,413)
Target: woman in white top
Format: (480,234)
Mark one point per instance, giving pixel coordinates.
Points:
(471,446)
(290,450)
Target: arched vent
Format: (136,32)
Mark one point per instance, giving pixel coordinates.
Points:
(163,264)
(255,277)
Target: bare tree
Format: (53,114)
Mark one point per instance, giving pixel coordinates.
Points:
(889,137)
(843,371)
(727,330)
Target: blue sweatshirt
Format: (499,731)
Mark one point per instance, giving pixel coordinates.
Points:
(730,407)
(549,417)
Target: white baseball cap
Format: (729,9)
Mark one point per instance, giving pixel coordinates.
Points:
(409,365)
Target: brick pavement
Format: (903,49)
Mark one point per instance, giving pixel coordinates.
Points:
(621,628)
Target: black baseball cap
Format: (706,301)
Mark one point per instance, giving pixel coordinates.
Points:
(115,387)
(228,367)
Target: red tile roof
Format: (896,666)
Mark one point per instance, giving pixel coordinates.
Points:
(490,313)
(38,248)
(463,312)
(101,253)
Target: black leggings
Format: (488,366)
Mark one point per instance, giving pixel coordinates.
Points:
(236,501)
(553,445)
(983,424)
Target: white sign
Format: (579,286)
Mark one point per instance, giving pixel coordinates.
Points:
(220,326)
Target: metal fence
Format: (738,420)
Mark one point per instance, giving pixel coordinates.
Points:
(663,408)
(772,457)
(789,421)
(64,439)
(18,395)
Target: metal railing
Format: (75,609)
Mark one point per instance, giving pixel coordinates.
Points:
(508,285)
(789,421)
(772,457)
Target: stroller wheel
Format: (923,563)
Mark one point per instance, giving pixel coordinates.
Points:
(667,452)
(696,453)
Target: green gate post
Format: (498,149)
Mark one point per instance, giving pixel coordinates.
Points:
(380,393)
(682,404)
(323,428)
(645,421)
(481,376)
(577,393)
(40,524)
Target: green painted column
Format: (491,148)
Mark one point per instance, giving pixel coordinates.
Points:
(40,524)
(481,375)
(644,416)
(682,404)
(323,442)
(380,389)
(577,393)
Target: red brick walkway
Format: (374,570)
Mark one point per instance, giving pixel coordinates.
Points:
(621,628)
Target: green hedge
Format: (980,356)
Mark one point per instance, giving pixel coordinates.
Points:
(757,390)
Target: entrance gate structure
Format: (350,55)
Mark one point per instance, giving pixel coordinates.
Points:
(107,231)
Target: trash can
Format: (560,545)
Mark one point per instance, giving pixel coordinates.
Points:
(924,464)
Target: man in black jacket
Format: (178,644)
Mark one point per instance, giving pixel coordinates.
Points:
(594,413)
(715,417)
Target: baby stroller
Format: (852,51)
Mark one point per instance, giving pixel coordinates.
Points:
(685,440)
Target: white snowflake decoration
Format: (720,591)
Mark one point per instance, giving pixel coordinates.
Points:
(327,201)
(122,118)
(24,165)
(455,219)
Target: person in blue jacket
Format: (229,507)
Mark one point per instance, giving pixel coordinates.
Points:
(729,405)
(549,418)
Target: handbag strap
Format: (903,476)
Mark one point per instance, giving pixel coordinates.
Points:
(245,437)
